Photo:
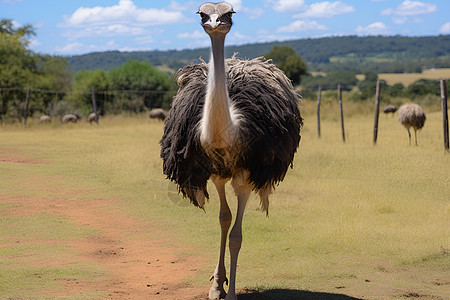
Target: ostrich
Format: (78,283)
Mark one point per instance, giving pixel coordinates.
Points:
(411,115)
(235,120)
(45,119)
(91,118)
(157,113)
(390,109)
(70,118)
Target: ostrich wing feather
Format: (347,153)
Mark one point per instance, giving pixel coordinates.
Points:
(271,118)
(184,160)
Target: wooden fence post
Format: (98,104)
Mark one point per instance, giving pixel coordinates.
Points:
(342,113)
(94,105)
(318,111)
(2,111)
(143,100)
(444,112)
(26,106)
(377,112)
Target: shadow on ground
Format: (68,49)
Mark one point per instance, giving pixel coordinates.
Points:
(285,294)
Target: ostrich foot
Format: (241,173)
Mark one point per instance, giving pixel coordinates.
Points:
(231,296)
(216,291)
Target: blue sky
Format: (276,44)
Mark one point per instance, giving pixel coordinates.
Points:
(68,27)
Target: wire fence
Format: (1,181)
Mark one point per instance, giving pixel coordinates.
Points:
(18,103)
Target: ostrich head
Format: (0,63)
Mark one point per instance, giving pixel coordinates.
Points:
(216,18)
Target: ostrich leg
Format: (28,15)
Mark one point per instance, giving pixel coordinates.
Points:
(219,277)
(409,134)
(415,135)
(242,190)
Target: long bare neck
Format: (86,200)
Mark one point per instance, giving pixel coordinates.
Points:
(216,130)
(216,78)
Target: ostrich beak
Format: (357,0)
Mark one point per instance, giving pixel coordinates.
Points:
(213,22)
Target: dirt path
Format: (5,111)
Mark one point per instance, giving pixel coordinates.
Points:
(139,267)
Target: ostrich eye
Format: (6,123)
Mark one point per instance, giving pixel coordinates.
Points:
(229,15)
(203,16)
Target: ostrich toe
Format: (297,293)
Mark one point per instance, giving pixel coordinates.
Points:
(217,291)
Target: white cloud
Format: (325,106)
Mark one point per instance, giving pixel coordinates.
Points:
(445,29)
(411,8)
(16,24)
(197,34)
(176,6)
(237,38)
(79,48)
(387,12)
(35,42)
(399,20)
(277,37)
(325,10)
(144,40)
(11,1)
(302,25)
(237,4)
(119,29)
(123,13)
(254,12)
(107,30)
(403,20)
(72,48)
(372,29)
(288,5)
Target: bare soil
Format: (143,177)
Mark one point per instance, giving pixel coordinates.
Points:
(139,266)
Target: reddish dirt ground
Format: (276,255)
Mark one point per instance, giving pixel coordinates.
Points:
(139,267)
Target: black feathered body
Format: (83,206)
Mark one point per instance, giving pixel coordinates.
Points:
(268,131)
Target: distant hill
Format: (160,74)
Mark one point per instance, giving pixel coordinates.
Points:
(360,54)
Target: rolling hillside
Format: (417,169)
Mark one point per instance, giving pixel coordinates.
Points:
(392,54)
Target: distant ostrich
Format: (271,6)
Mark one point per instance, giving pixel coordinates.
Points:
(411,115)
(91,118)
(157,113)
(70,118)
(390,109)
(45,119)
(234,119)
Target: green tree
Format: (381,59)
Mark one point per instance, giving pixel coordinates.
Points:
(289,61)
(156,88)
(346,79)
(396,90)
(17,69)
(21,68)
(80,100)
(423,87)
(368,85)
(7,27)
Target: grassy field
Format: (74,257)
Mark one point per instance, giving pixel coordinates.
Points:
(366,221)
(408,78)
